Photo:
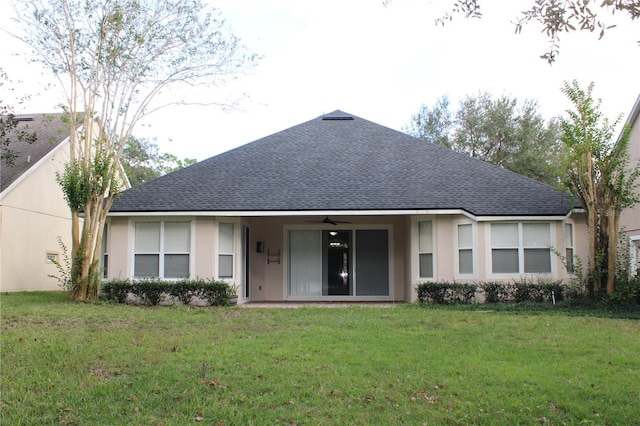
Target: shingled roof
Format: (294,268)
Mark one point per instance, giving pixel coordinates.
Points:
(340,162)
(50,131)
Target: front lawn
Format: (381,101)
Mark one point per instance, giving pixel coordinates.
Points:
(102,364)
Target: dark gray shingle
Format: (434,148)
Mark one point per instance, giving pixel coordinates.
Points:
(50,131)
(344,165)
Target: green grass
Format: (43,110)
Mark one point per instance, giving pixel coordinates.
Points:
(102,364)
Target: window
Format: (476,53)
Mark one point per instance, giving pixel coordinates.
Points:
(504,248)
(162,249)
(225,250)
(105,256)
(52,257)
(635,254)
(568,246)
(465,248)
(518,248)
(425,248)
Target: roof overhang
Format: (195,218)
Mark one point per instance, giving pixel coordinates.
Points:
(282,213)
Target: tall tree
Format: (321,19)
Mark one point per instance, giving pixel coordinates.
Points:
(555,16)
(143,161)
(10,130)
(496,130)
(113,57)
(433,124)
(598,172)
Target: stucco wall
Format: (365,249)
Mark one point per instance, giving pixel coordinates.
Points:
(205,244)
(33,215)
(269,268)
(118,249)
(630,218)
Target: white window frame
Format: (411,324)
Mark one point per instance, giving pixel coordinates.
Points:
(52,257)
(634,243)
(161,253)
(457,248)
(234,253)
(415,247)
(521,247)
(569,243)
(104,252)
(426,252)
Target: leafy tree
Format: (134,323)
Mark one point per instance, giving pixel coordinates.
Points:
(433,124)
(498,131)
(598,173)
(113,57)
(142,161)
(555,17)
(10,131)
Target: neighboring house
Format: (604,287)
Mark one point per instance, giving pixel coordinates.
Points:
(341,208)
(630,218)
(33,212)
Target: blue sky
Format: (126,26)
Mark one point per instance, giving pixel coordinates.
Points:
(379,63)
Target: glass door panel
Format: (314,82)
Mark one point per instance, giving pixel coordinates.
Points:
(305,263)
(372,262)
(337,275)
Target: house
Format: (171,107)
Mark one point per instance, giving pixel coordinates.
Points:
(630,218)
(33,212)
(342,209)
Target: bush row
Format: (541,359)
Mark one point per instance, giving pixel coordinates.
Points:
(152,292)
(444,293)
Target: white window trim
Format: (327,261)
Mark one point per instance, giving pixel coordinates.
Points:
(105,244)
(456,250)
(633,241)
(162,220)
(521,248)
(415,247)
(571,246)
(237,247)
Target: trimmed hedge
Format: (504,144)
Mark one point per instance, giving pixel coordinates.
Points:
(153,292)
(444,293)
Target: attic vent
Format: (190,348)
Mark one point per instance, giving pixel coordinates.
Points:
(337,117)
(25,118)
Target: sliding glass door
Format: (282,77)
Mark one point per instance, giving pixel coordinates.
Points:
(330,263)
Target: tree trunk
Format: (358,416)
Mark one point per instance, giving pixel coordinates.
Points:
(84,274)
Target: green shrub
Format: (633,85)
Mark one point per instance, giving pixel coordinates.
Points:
(495,292)
(445,292)
(627,290)
(216,293)
(552,291)
(151,292)
(116,290)
(185,290)
(541,291)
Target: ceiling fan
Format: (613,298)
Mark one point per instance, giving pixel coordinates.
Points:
(327,221)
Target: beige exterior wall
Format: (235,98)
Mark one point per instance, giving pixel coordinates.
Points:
(630,218)
(33,214)
(118,248)
(268,270)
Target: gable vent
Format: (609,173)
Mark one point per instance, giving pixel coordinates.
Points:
(337,117)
